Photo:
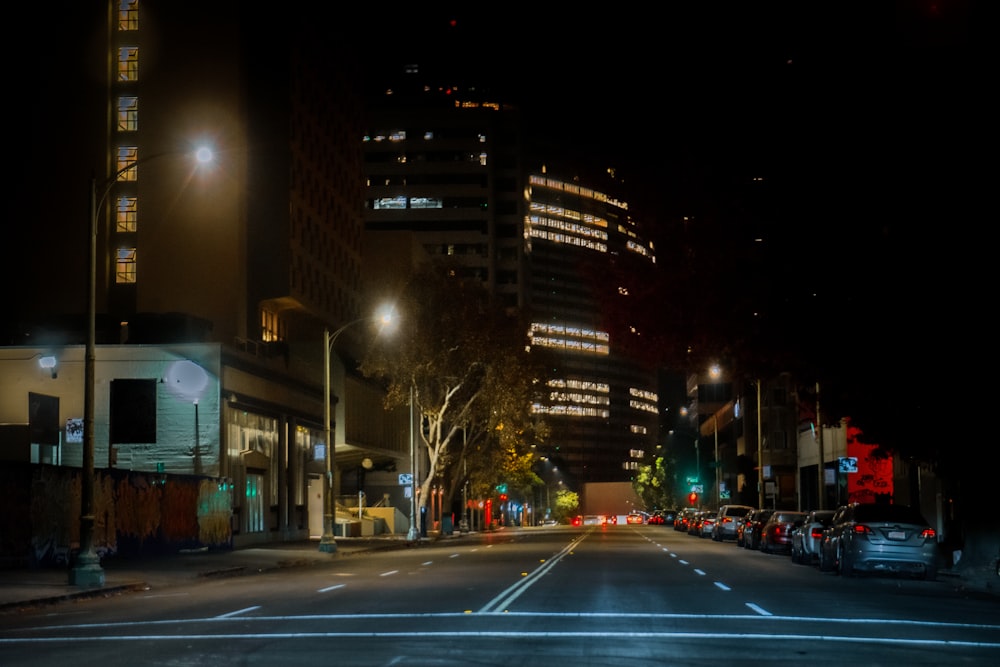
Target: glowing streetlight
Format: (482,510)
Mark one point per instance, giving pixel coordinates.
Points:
(87,569)
(328,542)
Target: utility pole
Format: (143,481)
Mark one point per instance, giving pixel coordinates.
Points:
(760,454)
(819,441)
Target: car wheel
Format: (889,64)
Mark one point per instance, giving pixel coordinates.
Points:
(844,565)
(796,556)
(824,562)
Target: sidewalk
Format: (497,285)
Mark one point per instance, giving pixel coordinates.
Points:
(24,587)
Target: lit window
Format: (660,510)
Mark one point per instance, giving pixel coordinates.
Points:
(390,202)
(128,15)
(269,326)
(128,156)
(127,214)
(128,63)
(125,266)
(128,114)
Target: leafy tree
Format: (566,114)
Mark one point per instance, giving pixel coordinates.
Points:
(464,364)
(566,504)
(655,483)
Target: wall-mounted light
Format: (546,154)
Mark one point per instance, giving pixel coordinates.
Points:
(49,364)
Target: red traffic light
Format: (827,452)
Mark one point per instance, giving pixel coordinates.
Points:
(503,497)
(692,499)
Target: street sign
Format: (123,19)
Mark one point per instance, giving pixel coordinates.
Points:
(697,488)
(405,479)
(848,464)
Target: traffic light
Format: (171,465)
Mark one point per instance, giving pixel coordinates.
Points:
(503,497)
(692,499)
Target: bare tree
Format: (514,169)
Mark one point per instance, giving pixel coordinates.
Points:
(464,362)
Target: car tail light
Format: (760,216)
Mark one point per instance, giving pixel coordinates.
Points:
(816,533)
(861,529)
(928,533)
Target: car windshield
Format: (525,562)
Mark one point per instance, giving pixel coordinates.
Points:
(891,513)
(738,511)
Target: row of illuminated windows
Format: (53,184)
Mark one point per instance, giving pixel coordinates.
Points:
(556,237)
(126,215)
(562,329)
(573,345)
(580,385)
(402,203)
(390,203)
(127,157)
(569,411)
(643,393)
(574,189)
(568,213)
(637,429)
(640,249)
(578,399)
(643,405)
(533,222)
(428,135)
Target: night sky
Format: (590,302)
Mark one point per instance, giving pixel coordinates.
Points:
(861,119)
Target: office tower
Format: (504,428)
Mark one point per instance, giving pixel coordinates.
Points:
(445,178)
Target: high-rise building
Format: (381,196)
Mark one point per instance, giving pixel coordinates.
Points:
(445,173)
(603,405)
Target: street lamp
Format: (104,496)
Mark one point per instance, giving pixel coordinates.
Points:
(328,542)
(87,569)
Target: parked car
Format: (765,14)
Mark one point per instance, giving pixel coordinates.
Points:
(694,523)
(807,537)
(880,538)
(751,534)
(707,523)
(776,535)
(742,528)
(728,521)
(684,518)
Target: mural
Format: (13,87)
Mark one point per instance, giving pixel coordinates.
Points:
(872,481)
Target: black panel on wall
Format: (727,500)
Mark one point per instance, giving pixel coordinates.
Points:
(133,411)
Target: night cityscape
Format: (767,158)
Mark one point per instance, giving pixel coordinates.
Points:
(625,205)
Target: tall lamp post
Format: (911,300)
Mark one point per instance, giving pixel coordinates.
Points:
(87,569)
(328,543)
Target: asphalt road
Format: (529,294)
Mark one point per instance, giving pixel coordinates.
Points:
(620,595)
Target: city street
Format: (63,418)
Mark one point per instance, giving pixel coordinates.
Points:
(616,595)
